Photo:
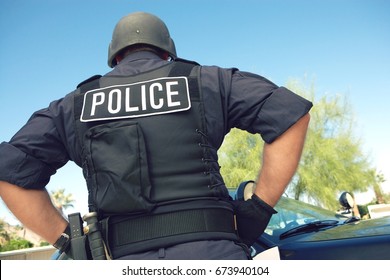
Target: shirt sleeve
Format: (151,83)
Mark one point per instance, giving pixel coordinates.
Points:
(259,106)
(34,153)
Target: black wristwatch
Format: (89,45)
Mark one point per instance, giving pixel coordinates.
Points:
(63,241)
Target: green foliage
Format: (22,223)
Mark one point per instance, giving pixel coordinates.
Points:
(62,200)
(44,243)
(332,160)
(240,157)
(16,244)
(380,196)
(363,210)
(4,236)
(10,240)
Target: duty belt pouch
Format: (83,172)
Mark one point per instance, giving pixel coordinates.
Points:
(117,168)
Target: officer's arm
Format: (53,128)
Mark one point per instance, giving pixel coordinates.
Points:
(34,209)
(280,161)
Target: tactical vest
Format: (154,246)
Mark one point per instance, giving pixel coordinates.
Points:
(152,176)
(144,141)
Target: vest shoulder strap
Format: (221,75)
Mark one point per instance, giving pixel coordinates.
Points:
(89,80)
(84,86)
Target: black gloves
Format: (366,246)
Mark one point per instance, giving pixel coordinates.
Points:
(253,216)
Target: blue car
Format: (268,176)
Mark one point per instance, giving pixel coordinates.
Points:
(301,231)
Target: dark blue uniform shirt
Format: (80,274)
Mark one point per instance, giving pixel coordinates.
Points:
(248,101)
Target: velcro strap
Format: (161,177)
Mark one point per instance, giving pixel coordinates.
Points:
(85,86)
(181,68)
(171,224)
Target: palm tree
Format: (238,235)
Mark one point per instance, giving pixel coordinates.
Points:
(4,236)
(61,200)
(379,179)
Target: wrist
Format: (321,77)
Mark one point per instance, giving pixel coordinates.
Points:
(263,205)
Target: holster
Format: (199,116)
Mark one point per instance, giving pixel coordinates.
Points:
(78,241)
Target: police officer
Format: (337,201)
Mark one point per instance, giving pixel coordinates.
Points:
(146,135)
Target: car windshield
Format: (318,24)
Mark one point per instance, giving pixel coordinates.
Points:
(293,213)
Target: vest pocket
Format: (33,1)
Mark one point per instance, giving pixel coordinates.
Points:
(118,168)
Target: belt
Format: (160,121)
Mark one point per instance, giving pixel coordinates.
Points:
(144,233)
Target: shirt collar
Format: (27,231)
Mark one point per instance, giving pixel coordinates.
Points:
(137,62)
(138,56)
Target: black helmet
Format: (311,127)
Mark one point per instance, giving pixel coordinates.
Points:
(140,28)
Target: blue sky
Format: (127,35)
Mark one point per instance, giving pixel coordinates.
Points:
(49,46)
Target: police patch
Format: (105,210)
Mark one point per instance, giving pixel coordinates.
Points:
(153,97)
